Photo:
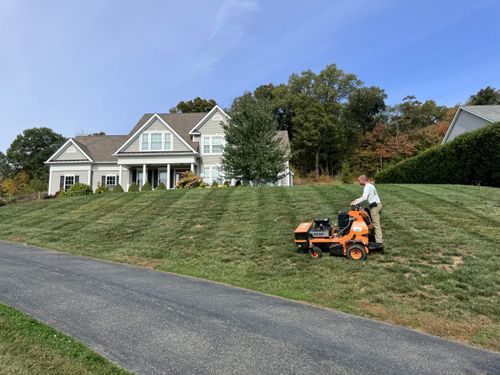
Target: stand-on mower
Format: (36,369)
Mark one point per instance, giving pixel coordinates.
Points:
(352,237)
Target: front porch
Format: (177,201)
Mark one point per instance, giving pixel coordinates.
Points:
(168,174)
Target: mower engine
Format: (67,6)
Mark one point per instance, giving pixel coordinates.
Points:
(321,228)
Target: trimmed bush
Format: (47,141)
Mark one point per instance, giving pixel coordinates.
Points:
(161,186)
(133,187)
(78,190)
(214,184)
(59,194)
(470,159)
(226,184)
(189,181)
(118,189)
(146,187)
(101,189)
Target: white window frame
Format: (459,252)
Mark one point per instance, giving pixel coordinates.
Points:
(148,134)
(110,186)
(210,179)
(66,186)
(211,144)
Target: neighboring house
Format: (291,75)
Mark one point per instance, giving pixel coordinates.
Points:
(159,148)
(471,117)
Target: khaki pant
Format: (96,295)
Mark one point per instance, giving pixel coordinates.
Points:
(375,214)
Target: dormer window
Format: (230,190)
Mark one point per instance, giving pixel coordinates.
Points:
(156,141)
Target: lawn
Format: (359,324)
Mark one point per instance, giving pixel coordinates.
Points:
(30,347)
(440,273)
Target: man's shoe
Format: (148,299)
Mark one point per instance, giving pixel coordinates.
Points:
(376,245)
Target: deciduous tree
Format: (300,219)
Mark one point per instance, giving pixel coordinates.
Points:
(486,96)
(195,105)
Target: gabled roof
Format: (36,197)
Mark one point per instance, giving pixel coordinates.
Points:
(206,116)
(81,148)
(490,113)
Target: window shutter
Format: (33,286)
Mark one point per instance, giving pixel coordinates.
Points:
(117,179)
(61,183)
(77,179)
(103,180)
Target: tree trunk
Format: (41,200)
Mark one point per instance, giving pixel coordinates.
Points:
(317,165)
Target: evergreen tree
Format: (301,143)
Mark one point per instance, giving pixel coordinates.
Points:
(252,151)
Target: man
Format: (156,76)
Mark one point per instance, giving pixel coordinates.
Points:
(370,194)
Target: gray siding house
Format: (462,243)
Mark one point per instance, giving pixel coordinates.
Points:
(471,117)
(159,148)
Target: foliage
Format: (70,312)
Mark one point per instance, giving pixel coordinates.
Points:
(15,185)
(146,187)
(118,189)
(133,187)
(5,167)
(486,96)
(2,202)
(195,105)
(32,148)
(161,186)
(60,194)
(101,189)
(189,181)
(364,107)
(78,190)
(252,151)
(440,275)
(226,184)
(214,184)
(472,158)
(346,174)
(412,114)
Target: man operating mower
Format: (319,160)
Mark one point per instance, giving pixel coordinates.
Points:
(370,194)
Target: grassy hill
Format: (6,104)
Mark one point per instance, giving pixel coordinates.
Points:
(440,272)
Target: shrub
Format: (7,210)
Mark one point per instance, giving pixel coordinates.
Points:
(101,189)
(146,187)
(346,174)
(238,183)
(161,186)
(59,194)
(189,181)
(118,189)
(472,158)
(226,184)
(214,184)
(2,202)
(78,190)
(133,187)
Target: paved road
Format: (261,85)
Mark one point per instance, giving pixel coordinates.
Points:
(158,323)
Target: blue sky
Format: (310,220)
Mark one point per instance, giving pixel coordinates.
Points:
(92,65)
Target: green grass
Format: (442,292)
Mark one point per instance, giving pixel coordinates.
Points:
(440,273)
(30,347)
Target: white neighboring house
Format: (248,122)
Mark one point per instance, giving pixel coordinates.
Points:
(159,148)
(471,117)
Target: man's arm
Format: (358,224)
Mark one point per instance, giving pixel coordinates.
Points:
(362,198)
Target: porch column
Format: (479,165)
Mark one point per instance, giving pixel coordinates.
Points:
(144,174)
(192,167)
(120,178)
(50,180)
(90,177)
(168,176)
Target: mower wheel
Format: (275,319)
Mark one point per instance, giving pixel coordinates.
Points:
(315,252)
(356,251)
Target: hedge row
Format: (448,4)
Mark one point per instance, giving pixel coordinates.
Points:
(470,159)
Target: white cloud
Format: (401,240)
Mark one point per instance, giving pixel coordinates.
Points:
(232,16)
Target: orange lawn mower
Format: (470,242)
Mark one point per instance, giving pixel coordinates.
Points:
(351,237)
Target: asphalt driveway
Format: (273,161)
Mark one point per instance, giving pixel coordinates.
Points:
(157,323)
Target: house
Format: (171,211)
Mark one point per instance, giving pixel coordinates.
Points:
(159,148)
(471,117)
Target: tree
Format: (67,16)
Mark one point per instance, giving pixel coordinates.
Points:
(15,185)
(5,167)
(364,107)
(486,96)
(195,105)
(412,114)
(32,148)
(252,151)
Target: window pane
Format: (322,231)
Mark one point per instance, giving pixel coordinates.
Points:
(68,181)
(156,141)
(145,142)
(217,145)
(206,175)
(168,141)
(111,180)
(206,145)
(217,175)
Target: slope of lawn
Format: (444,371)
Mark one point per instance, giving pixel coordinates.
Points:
(30,347)
(440,272)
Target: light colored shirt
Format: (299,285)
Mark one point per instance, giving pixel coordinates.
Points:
(369,194)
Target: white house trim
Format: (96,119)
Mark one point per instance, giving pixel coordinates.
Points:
(147,123)
(63,147)
(206,117)
(455,118)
